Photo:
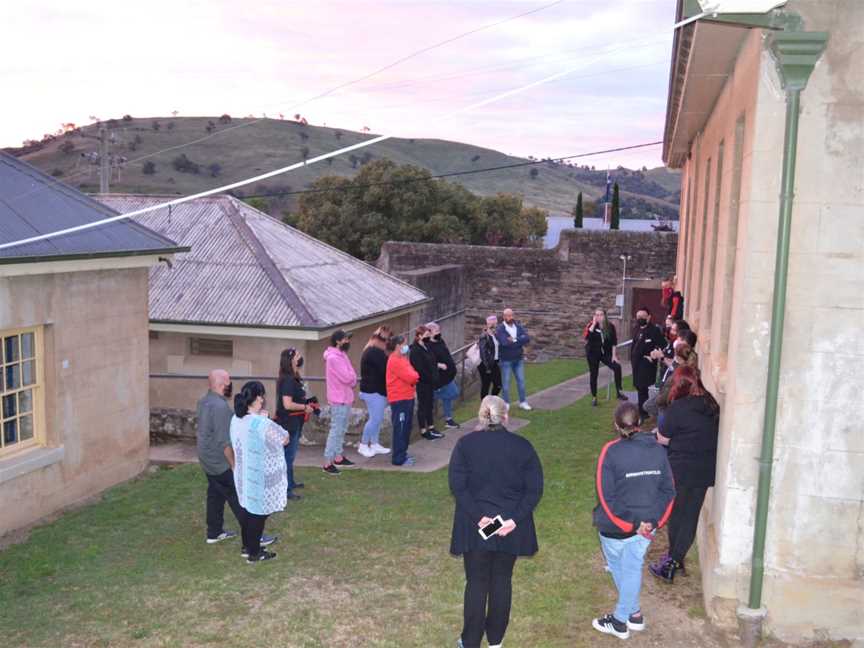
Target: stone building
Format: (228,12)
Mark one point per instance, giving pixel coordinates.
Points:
(250,287)
(74,415)
(725,121)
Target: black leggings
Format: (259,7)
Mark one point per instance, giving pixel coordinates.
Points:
(490,383)
(425,405)
(594,368)
(488,594)
(685,519)
(252,530)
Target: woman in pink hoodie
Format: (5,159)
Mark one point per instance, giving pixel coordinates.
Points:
(341,380)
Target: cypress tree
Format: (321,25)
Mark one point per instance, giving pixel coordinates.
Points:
(616,209)
(577,212)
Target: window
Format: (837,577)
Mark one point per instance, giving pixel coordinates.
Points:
(211,347)
(732,238)
(710,260)
(20,385)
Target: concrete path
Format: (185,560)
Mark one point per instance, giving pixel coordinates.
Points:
(570,391)
(429,455)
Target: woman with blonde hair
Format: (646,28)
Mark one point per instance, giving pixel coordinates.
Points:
(493,474)
(373,390)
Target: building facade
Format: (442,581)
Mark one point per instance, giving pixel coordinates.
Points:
(74,413)
(725,130)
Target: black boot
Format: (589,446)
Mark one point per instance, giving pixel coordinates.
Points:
(665,570)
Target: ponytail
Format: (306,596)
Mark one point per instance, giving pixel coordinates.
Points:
(250,392)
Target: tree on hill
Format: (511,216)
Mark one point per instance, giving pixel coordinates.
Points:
(534,172)
(225,119)
(385,201)
(149,168)
(155,125)
(577,212)
(615,222)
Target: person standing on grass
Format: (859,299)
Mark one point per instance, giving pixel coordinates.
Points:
(448,390)
(690,427)
(601,345)
(647,338)
(216,457)
(401,382)
(512,339)
(492,472)
(635,496)
(292,410)
(489,369)
(424,363)
(259,454)
(341,380)
(373,391)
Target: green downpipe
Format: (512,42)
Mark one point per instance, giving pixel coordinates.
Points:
(775,350)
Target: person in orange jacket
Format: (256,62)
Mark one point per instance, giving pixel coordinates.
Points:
(401,390)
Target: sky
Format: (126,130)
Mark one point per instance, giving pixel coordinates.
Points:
(67,60)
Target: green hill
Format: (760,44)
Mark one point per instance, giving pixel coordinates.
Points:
(235,149)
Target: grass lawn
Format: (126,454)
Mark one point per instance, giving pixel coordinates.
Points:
(363,560)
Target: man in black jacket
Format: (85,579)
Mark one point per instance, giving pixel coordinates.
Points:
(635,493)
(448,390)
(646,338)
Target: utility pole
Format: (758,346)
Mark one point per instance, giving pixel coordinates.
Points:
(104,167)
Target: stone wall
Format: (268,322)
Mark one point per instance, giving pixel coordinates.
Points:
(552,291)
(446,286)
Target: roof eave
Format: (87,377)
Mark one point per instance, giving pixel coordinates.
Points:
(85,256)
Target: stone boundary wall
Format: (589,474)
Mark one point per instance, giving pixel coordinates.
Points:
(553,292)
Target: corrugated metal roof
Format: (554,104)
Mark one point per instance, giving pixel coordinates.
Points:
(249,269)
(33,203)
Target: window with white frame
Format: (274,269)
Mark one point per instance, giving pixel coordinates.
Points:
(20,384)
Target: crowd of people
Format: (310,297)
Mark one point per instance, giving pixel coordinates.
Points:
(655,473)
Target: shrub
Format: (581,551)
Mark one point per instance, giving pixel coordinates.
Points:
(57,173)
(338,135)
(67,147)
(155,125)
(183,164)
(148,168)
(215,169)
(127,118)
(170,126)
(225,119)
(304,136)
(534,172)
(304,152)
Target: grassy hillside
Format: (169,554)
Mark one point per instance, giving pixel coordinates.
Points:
(241,148)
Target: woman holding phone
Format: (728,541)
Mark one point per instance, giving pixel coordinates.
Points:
(493,474)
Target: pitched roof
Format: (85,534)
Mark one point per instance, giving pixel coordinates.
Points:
(33,203)
(249,269)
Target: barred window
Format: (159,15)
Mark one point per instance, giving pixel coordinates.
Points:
(20,388)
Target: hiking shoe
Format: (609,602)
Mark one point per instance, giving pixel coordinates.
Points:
(525,406)
(366,450)
(345,463)
(610,625)
(593,402)
(451,424)
(664,570)
(636,622)
(261,557)
(377,448)
(225,535)
(622,397)
(331,470)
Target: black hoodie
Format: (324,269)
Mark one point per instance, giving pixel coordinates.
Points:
(692,424)
(634,485)
(424,363)
(442,354)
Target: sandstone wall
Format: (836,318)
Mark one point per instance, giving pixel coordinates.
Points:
(553,291)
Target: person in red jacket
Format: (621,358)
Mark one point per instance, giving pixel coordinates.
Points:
(401,390)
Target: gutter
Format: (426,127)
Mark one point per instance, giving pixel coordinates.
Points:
(86,256)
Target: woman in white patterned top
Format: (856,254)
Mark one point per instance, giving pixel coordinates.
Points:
(259,470)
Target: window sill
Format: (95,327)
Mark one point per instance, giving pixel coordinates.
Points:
(28,461)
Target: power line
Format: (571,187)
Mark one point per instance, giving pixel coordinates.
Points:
(280,171)
(451,174)
(326,93)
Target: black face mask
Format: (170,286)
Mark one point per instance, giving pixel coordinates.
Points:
(300,362)
(228,390)
(642,321)
(346,346)
(435,338)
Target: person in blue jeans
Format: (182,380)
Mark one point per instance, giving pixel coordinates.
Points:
(292,410)
(402,381)
(512,339)
(635,495)
(448,392)
(373,391)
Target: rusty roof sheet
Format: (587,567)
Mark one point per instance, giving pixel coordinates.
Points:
(249,269)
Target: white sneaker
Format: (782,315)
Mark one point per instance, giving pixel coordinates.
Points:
(377,448)
(365,450)
(525,406)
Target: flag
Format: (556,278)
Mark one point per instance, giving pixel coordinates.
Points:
(608,187)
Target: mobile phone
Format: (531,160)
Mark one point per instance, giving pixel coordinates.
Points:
(492,528)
